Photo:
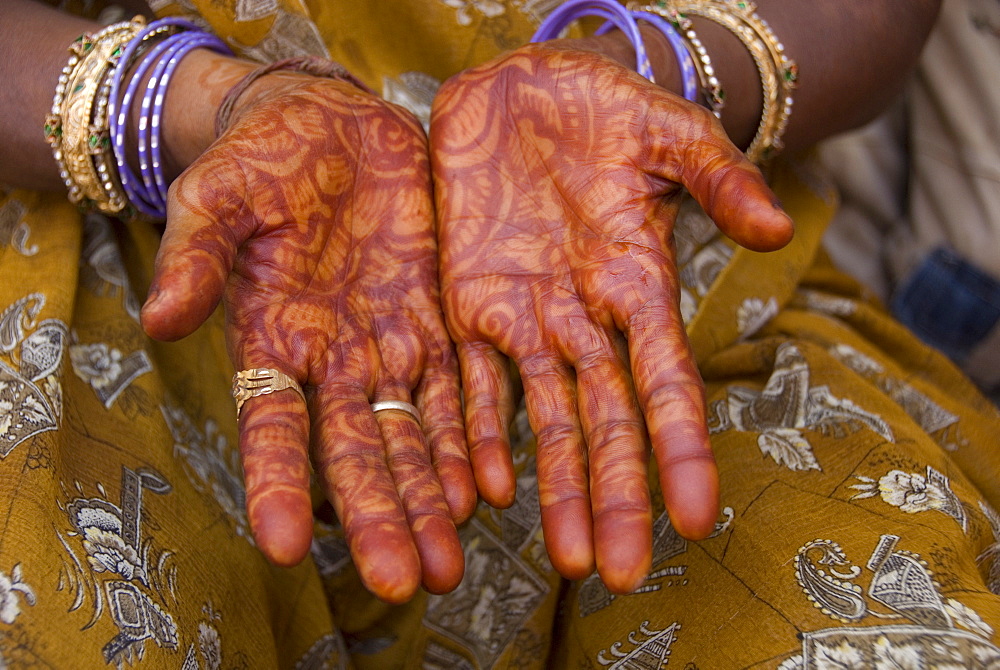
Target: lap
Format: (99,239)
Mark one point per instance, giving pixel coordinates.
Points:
(857,476)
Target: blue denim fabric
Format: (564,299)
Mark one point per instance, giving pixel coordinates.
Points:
(948,303)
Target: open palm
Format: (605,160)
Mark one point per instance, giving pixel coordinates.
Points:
(557,174)
(311,219)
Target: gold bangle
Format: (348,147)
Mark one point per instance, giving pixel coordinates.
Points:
(787,71)
(778,73)
(76,127)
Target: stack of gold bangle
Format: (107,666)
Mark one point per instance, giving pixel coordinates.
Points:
(77,127)
(778,73)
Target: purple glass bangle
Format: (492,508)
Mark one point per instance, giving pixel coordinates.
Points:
(689,76)
(118,106)
(140,187)
(147,191)
(151,110)
(570,11)
(202,40)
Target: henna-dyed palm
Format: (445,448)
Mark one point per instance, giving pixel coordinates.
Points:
(312,218)
(556,176)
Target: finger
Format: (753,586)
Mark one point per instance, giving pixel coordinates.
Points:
(439,399)
(349,458)
(730,189)
(195,257)
(671,395)
(489,409)
(561,464)
(618,451)
(274,439)
(441,559)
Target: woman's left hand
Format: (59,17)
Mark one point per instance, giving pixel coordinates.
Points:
(557,174)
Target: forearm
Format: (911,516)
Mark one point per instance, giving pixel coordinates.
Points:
(33,42)
(33,50)
(853,59)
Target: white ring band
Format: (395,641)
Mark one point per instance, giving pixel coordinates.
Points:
(383,405)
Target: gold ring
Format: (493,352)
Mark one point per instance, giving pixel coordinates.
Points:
(261,381)
(383,405)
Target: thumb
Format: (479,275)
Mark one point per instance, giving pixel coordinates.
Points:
(730,188)
(196,255)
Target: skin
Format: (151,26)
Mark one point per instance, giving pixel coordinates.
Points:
(557,179)
(311,219)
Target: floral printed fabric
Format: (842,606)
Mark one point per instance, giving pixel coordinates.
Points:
(859,474)
(124,541)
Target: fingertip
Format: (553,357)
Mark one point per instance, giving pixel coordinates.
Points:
(155,318)
(391,588)
(458,483)
(461,499)
(445,578)
(623,575)
(281,522)
(494,475)
(572,563)
(442,559)
(694,529)
(735,195)
(388,564)
(569,541)
(192,265)
(497,495)
(624,540)
(691,493)
(768,228)
(165,318)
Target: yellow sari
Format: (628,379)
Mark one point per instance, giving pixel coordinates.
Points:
(858,467)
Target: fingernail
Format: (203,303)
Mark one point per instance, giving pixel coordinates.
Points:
(152,298)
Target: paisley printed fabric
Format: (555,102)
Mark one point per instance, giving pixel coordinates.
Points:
(858,467)
(125,540)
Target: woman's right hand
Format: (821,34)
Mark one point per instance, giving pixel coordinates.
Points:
(311,219)
(557,179)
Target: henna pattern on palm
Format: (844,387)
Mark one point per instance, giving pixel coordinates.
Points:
(312,219)
(557,177)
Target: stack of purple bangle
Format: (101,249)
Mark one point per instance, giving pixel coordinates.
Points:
(147,192)
(625,20)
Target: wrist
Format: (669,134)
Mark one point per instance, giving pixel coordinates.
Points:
(616,46)
(666,70)
(202,80)
(192,109)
